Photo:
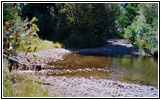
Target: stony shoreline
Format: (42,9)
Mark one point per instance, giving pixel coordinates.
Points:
(83,87)
(113,47)
(44,56)
(90,87)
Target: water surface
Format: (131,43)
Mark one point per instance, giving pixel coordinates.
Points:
(131,69)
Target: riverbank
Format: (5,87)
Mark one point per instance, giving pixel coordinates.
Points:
(113,47)
(83,87)
(80,86)
(44,56)
(91,87)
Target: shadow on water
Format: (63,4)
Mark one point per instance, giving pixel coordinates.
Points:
(132,69)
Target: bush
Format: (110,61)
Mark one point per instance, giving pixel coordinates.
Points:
(41,45)
(142,35)
(83,40)
(76,25)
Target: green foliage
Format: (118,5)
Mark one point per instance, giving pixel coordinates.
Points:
(16,37)
(22,85)
(31,89)
(10,11)
(41,45)
(82,40)
(92,24)
(142,32)
(150,11)
(35,57)
(128,12)
(87,24)
(8,90)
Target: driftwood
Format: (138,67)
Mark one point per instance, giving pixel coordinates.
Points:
(17,65)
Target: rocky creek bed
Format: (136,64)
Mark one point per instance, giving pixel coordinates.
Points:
(80,86)
(91,87)
(83,87)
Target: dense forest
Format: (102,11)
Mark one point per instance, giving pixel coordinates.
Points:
(89,25)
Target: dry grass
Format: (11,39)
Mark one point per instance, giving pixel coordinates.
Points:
(42,45)
(22,85)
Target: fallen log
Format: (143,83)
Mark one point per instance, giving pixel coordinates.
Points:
(17,65)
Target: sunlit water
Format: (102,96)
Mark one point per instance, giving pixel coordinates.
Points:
(131,69)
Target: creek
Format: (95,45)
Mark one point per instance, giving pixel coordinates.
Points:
(131,69)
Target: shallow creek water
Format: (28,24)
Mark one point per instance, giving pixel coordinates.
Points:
(131,69)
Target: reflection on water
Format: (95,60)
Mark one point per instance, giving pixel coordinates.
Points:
(142,70)
(132,69)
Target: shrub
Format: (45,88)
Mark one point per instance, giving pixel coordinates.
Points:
(142,35)
(79,39)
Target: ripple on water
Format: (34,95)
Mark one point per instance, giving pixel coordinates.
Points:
(132,69)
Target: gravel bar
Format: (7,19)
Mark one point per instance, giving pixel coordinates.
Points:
(83,87)
(88,87)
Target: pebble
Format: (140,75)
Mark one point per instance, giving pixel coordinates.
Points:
(83,87)
(44,56)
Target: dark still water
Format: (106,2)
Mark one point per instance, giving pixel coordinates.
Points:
(131,69)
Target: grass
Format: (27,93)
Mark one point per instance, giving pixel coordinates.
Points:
(22,85)
(42,45)
(8,90)
(25,85)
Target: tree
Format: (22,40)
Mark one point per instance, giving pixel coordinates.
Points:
(128,13)
(92,23)
(88,25)
(18,36)
(143,32)
(10,11)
